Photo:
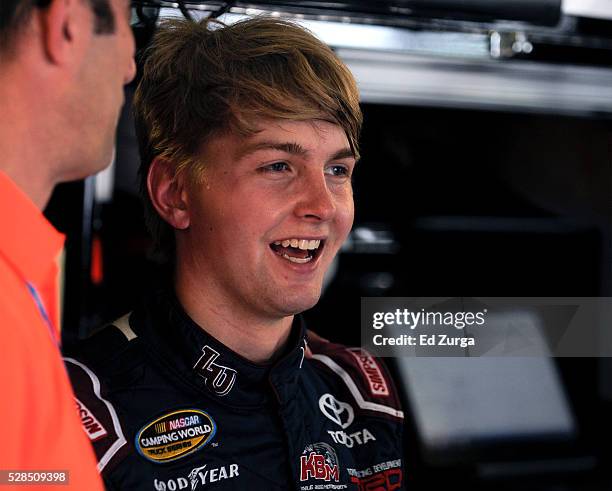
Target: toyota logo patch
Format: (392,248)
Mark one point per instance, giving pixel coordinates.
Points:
(339,412)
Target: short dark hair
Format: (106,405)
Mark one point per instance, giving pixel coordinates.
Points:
(14,14)
(202,79)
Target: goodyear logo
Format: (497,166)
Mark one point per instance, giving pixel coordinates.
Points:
(175,435)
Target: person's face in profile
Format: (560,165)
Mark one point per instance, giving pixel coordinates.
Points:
(108,64)
(270,213)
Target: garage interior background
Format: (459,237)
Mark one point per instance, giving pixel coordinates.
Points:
(486,171)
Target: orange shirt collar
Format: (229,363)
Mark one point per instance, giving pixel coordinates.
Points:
(27,240)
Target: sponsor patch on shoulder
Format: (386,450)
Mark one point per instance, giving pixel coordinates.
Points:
(91,425)
(98,415)
(371,369)
(175,435)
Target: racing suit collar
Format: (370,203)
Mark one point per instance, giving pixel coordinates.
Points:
(201,361)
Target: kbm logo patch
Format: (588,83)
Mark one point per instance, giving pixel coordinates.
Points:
(319,461)
(175,435)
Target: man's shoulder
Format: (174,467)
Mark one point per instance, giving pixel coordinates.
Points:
(362,374)
(105,347)
(102,360)
(94,365)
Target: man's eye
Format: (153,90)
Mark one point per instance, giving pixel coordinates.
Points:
(276,167)
(338,170)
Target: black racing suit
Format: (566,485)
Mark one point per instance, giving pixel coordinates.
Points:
(168,407)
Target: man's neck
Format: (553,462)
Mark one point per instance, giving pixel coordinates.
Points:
(33,186)
(257,339)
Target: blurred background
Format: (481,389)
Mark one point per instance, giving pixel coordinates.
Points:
(486,171)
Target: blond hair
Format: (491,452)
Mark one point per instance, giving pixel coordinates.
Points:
(201,79)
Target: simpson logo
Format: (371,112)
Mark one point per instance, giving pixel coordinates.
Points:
(103,429)
(175,435)
(319,461)
(372,372)
(217,378)
(91,425)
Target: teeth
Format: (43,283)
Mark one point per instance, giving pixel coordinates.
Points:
(300,244)
(298,260)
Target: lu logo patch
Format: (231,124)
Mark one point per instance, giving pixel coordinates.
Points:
(218,378)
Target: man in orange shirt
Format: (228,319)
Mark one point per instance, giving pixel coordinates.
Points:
(63,64)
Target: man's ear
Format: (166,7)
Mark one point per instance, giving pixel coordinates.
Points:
(66,27)
(168,193)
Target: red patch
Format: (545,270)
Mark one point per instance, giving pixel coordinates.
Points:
(314,466)
(382,481)
(319,461)
(91,425)
(372,371)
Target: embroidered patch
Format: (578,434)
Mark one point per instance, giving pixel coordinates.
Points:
(198,477)
(372,372)
(91,425)
(175,435)
(218,378)
(99,418)
(320,462)
(386,476)
(339,412)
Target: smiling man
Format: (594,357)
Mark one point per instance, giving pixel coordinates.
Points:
(248,137)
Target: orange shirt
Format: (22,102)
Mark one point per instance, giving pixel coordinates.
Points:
(40,426)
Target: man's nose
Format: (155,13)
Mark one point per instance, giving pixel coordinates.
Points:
(315,200)
(131,71)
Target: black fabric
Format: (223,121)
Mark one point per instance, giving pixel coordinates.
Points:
(271,431)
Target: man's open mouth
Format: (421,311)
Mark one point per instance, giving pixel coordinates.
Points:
(299,251)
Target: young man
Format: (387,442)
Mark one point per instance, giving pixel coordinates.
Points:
(63,64)
(248,139)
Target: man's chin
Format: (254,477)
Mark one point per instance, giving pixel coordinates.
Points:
(104,157)
(294,306)
(88,166)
